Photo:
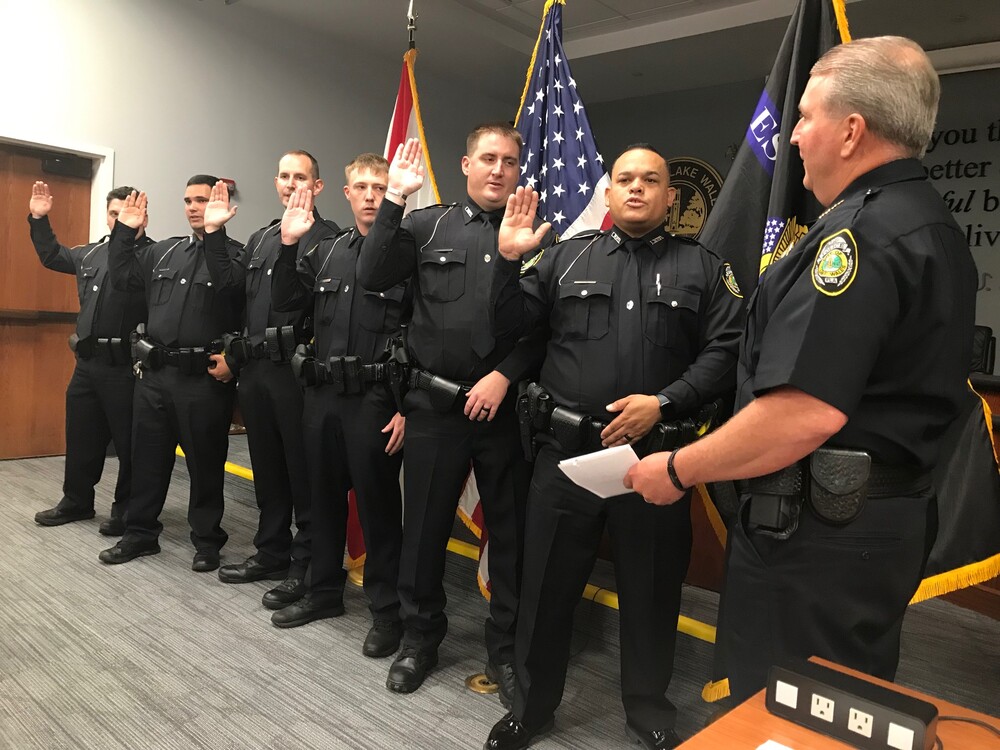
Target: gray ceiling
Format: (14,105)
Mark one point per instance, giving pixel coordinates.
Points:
(618,48)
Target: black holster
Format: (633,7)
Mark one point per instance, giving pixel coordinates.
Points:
(303,363)
(777,502)
(239,348)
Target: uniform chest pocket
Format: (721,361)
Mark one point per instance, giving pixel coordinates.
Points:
(162,285)
(85,282)
(671,315)
(327,294)
(442,274)
(202,292)
(380,310)
(585,309)
(256,273)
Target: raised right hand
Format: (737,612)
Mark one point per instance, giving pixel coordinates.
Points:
(133,213)
(298,216)
(218,209)
(41,200)
(516,237)
(406,173)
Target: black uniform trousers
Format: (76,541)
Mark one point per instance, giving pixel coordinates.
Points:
(439,449)
(652,549)
(345,448)
(98,410)
(270,400)
(195,411)
(839,592)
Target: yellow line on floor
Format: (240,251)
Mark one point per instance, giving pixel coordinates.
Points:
(605,597)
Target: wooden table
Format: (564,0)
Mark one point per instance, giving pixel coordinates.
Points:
(750,725)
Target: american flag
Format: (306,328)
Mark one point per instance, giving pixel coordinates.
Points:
(560,158)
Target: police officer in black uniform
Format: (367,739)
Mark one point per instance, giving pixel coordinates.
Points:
(853,363)
(447,253)
(271,400)
(644,327)
(353,430)
(99,395)
(193,299)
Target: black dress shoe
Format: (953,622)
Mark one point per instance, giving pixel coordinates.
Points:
(383,638)
(287,592)
(205,562)
(408,671)
(125,551)
(655,739)
(253,569)
(510,734)
(503,676)
(58,516)
(114,526)
(309,608)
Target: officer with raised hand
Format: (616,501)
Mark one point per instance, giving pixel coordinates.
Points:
(353,431)
(194,299)
(99,395)
(458,410)
(644,330)
(270,398)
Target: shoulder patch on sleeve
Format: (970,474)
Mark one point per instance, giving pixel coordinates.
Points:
(836,263)
(729,279)
(532,261)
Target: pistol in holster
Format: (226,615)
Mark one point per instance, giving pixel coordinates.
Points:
(398,366)
(534,412)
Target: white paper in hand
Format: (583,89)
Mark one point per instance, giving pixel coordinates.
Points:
(601,472)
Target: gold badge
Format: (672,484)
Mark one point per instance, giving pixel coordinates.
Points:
(836,263)
(729,279)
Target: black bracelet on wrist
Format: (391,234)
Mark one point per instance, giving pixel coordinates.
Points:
(672,473)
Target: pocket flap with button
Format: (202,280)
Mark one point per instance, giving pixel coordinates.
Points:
(443,257)
(164,273)
(674,297)
(327,285)
(585,289)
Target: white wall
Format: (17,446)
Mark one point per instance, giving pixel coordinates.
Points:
(177,87)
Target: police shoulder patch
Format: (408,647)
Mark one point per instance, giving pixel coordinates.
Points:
(836,263)
(729,279)
(532,260)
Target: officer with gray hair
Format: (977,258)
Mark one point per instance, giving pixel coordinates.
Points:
(852,365)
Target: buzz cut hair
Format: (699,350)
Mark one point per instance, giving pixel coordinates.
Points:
(502,129)
(313,164)
(367,160)
(203,179)
(121,193)
(641,146)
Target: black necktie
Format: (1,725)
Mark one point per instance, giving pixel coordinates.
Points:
(630,322)
(482,337)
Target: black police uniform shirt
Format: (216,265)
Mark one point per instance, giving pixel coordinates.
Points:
(656,314)
(449,252)
(348,320)
(259,256)
(105,312)
(191,302)
(871,312)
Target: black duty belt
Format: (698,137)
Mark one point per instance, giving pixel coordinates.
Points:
(113,351)
(188,360)
(834,482)
(347,375)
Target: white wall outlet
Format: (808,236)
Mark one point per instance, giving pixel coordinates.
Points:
(786,694)
(900,738)
(821,707)
(860,722)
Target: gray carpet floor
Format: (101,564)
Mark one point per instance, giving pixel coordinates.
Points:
(152,655)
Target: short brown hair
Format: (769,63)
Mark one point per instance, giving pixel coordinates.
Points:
(314,165)
(503,129)
(367,160)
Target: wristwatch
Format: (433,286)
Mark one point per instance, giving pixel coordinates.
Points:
(666,408)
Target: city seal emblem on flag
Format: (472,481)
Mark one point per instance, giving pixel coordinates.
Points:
(698,185)
(836,263)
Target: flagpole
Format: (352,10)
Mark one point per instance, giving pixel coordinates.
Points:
(411,25)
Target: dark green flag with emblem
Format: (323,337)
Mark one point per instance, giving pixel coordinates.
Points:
(763,207)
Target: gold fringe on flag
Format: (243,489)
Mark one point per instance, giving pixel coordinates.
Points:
(534,56)
(410,58)
(715,691)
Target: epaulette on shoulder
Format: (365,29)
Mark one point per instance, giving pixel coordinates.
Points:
(234,243)
(338,235)
(436,205)
(589,234)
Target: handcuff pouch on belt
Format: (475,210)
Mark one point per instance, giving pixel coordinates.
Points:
(303,363)
(279,342)
(838,483)
(344,374)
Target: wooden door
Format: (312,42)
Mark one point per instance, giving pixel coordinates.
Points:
(38,307)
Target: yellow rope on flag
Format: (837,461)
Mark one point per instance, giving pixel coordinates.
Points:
(841,13)
(534,56)
(715,691)
(714,519)
(409,59)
